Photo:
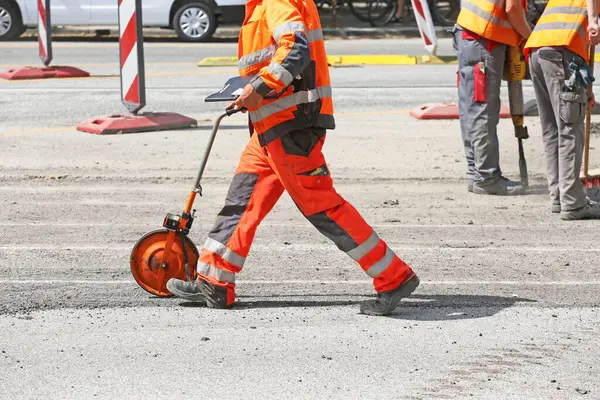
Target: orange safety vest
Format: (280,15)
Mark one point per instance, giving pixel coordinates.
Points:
(488,19)
(563,23)
(281,42)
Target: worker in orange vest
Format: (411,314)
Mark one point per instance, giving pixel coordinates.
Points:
(561,37)
(281,45)
(483,30)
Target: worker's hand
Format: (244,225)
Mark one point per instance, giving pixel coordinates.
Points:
(248,99)
(594,33)
(591,102)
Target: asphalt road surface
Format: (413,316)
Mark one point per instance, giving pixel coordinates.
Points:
(507,308)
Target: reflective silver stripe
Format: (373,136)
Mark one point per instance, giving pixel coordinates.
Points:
(314,35)
(382,264)
(565,10)
(364,248)
(267,53)
(281,73)
(283,104)
(213,272)
(486,15)
(286,27)
(569,26)
(224,252)
(558,26)
(258,56)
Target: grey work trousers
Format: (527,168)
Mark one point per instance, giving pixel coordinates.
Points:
(479,105)
(562,115)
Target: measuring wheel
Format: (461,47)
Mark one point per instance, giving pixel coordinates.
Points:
(149,269)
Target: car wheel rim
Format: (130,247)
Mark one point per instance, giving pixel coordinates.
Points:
(5,21)
(194,22)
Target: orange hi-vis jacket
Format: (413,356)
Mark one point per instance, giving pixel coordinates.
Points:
(281,42)
(488,19)
(563,23)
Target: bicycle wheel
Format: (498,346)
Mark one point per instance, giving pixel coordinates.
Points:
(381,12)
(360,9)
(323,4)
(444,12)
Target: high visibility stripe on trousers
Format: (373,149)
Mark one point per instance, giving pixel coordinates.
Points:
(373,255)
(260,180)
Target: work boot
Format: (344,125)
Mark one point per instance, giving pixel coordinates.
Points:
(199,291)
(470,186)
(556,208)
(502,187)
(589,211)
(386,302)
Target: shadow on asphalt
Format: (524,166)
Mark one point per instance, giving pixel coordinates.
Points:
(415,308)
(454,307)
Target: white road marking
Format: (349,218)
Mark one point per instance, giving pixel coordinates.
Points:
(312,282)
(300,225)
(426,246)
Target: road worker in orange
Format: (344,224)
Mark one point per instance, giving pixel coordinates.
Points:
(483,30)
(281,45)
(561,39)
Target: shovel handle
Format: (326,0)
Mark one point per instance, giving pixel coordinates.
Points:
(588,119)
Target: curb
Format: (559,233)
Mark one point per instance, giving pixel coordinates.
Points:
(335,60)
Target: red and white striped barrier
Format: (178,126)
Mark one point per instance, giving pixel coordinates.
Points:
(45,51)
(131,49)
(44,32)
(425,24)
(133,83)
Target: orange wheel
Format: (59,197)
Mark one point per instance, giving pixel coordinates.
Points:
(147,257)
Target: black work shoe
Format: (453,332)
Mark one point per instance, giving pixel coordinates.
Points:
(185,290)
(199,291)
(589,211)
(386,302)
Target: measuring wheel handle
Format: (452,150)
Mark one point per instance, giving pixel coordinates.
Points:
(168,252)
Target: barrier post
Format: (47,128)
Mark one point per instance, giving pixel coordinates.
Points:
(45,33)
(131,51)
(45,51)
(133,83)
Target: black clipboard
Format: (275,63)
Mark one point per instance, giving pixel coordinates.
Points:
(233,88)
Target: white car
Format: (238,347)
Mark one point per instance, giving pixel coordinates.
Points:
(193,20)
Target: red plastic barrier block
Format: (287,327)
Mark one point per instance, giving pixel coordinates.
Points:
(43,73)
(445,111)
(146,122)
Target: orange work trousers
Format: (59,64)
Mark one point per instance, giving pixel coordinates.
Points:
(293,162)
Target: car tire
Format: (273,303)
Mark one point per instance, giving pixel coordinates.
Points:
(195,22)
(11,24)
